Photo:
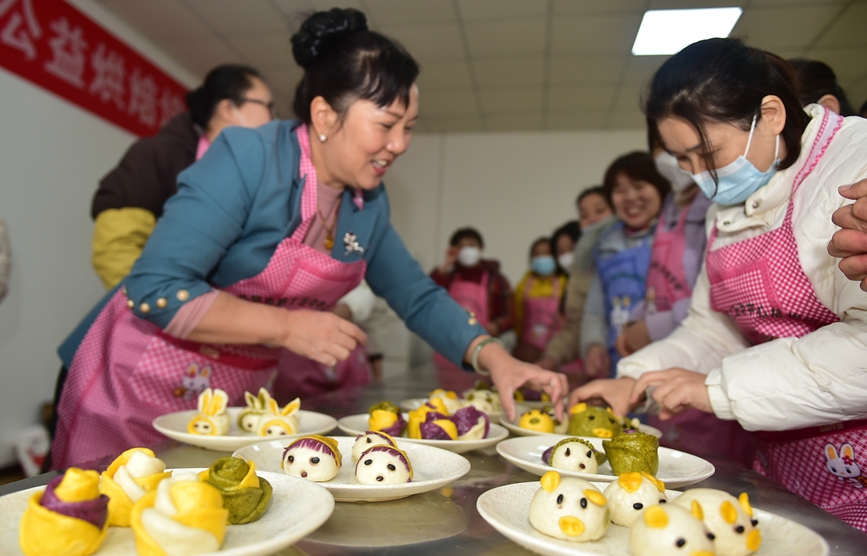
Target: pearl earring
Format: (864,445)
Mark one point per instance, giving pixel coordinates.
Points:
(322,138)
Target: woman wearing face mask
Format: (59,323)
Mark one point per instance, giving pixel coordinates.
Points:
(678,251)
(622,257)
(130,198)
(563,242)
(775,336)
(267,231)
(594,217)
(538,302)
(479,287)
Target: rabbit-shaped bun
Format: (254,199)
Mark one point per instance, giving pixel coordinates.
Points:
(212,419)
(277,421)
(256,407)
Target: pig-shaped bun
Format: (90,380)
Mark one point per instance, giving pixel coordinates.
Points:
(632,493)
(729,519)
(668,530)
(569,509)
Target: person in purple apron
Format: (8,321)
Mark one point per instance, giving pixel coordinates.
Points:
(678,251)
(622,257)
(538,302)
(776,334)
(477,285)
(256,248)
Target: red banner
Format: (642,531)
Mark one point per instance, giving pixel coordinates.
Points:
(54,45)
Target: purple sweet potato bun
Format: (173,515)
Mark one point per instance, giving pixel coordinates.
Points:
(434,415)
(468,417)
(531,395)
(432,431)
(397,428)
(93,511)
(546,455)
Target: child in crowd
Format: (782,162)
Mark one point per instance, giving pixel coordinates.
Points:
(479,287)
(538,302)
(621,256)
(594,216)
(775,335)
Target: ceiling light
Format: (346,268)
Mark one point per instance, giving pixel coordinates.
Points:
(664,32)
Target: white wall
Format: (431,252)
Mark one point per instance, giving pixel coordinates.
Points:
(52,155)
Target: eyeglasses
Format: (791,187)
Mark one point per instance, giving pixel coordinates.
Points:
(270,105)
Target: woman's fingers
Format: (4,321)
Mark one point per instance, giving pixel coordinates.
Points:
(855,191)
(353,331)
(646,380)
(854,267)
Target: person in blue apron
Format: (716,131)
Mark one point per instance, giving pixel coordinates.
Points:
(622,254)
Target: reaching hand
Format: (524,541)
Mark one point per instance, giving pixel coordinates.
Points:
(323,337)
(850,243)
(676,390)
(613,392)
(598,362)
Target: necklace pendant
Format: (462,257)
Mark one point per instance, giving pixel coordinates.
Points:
(329,242)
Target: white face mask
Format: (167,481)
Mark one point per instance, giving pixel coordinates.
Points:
(668,167)
(566,260)
(469,256)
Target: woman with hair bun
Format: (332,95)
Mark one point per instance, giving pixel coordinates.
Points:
(267,231)
(130,198)
(775,334)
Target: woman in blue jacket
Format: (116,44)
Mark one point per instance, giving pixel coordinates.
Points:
(288,216)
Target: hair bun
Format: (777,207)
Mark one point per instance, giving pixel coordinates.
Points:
(323,29)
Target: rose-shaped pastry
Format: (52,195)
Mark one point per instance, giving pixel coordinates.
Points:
(245,494)
(471,423)
(419,416)
(315,458)
(632,493)
(70,518)
(368,440)
(574,454)
(386,417)
(183,516)
(537,420)
(450,400)
(383,465)
(633,452)
(129,477)
(212,419)
(587,420)
(277,421)
(256,407)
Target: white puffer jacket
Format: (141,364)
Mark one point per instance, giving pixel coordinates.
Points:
(788,383)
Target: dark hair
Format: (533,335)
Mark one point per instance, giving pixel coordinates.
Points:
(724,80)
(464,233)
(343,62)
(637,165)
(863,109)
(540,241)
(817,79)
(229,81)
(571,229)
(594,190)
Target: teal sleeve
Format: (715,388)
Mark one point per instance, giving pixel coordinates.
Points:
(198,225)
(426,308)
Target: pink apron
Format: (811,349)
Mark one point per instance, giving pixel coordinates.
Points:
(474,298)
(692,431)
(542,318)
(126,372)
(760,285)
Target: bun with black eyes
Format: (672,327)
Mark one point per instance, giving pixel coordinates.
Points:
(322,30)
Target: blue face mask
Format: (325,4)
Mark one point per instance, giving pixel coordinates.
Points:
(543,265)
(738,180)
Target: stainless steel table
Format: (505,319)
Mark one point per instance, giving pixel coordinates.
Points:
(446,521)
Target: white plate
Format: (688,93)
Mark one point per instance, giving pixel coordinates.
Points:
(676,469)
(521,431)
(412,404)
(358,424)
(432,469)
(507,508)
(174,425)
(297,509)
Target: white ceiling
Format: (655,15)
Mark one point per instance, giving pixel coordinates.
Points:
(502,65)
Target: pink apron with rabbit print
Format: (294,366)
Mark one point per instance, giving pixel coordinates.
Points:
(126,372)
(473,297)
(760,284)
(692,431)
